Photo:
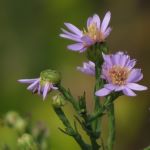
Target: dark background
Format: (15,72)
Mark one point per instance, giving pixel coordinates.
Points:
(29,43)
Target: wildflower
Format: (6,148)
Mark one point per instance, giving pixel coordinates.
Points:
(96,32)
(88,68)
(120,75)
(45,83)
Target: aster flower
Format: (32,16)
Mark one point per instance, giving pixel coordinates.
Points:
(97,31)
(44,84)
(88,68)
(120,75)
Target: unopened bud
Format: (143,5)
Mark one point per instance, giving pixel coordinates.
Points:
(50,76)
(20,125)
(26,142)
(58,101)
(11,118)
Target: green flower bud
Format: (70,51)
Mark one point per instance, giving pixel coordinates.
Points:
(58,101)
(11,118)
(20,125)
(50,76)
(26,142)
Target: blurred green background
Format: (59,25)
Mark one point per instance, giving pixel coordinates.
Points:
(29,43)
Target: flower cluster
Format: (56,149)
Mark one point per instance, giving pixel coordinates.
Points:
(117,70)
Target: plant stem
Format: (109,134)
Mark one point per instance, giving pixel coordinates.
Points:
(112,132)
(67,95)
(70,131)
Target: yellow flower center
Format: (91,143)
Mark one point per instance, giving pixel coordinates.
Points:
(118,75)
(94,33)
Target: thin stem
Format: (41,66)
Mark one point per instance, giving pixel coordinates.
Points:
(98,84)
(70,131)
(112,132)
(91,134)
(67,95)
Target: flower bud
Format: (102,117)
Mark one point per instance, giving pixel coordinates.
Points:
(50,76)
(11,118)
(58,101)
(20,125)
(26,142)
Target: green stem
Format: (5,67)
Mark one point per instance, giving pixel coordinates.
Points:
(91,134)
(112,132)
(67,95)
(70,131)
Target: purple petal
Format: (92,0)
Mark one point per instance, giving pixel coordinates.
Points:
(39,89)
(45,90)
(105,21)
(119,88)
(102,92)
(27,80)
(128,92)
(69,33)
(107,32)
(96,20)
(136,87)
(89,21)
(77,39)
(73,29)
(87,40)
(110,86)
(107,59)
(76,47)
(33,85)
(135,76)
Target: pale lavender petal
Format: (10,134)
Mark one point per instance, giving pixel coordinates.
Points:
(27,80)
(88,68)
(107,59)
(136,87)
(135,76)
(96,20)
(39,89)
(70,37)
(128,92)
(89,21)
(73,29)
(53,87)
(87,40)
(105,21)
(69,33)
(45,90)
(107,32)
(119,88)
(76,47)
(131,64)
(110,86)
(33,85)
(103,92)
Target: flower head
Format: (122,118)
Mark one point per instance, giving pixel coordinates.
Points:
(96,32)
(120,75)
(44,84)
(88,68)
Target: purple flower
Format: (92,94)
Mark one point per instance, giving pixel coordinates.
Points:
(88,68)
(44,84)
(120,75)
(97,31)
